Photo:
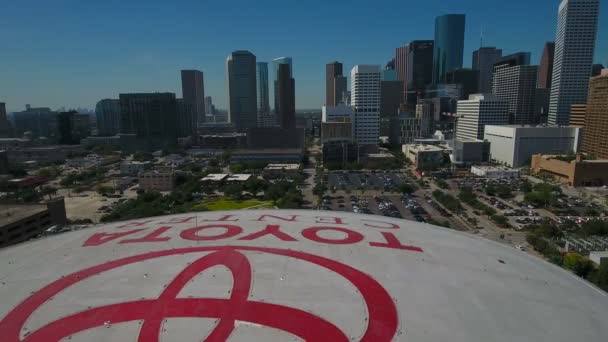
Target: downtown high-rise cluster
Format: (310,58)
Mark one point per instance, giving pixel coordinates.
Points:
(425,92)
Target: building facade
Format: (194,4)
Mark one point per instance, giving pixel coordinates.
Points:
(514,145)
(365,92)
(266,117)
(596,118)
(483,61)
(151,117)
(419,69)
(448,46)
(157,180)
(286,97)
(242,92)
(335,83)
(477,112)
(574,49)
(467,78)
(545,72)
(401,66)
(577,172)
(4,124)
(193,93)
(517,85)
(107,112)
(577,115)
(40,122)
(337,113)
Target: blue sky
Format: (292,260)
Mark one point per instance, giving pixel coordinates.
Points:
(72,53)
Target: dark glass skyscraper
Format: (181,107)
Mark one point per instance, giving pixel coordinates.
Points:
(242,102)
(546,66)
(193,92)
(152,117)
(265,117)
(449,45)
(285,97)
(107,112)
(420,68)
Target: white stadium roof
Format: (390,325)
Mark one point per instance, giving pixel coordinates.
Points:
(285,275)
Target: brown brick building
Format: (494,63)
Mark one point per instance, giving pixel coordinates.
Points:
(577,115)
(595,141)
(577,172)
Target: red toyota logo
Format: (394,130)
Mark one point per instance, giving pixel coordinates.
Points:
(382,323)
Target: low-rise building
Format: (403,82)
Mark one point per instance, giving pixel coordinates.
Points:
(270,155)
(20,222)
(575,172)
(404,130)
(468,152)
(133,168)
(599,257)
(375,160)
(92,161)
(214,178)
(424,157)
(229,140)
(514,145)
(111,141)
(279,170)
(43,155)
(157,180)
(238,177)
(494,172)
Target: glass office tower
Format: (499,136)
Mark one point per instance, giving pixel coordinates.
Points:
(449,45)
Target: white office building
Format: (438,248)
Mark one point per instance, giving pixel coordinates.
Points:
(337,113)
(574,48)
(514,145)
(517,85)
(365,98)
(477,112)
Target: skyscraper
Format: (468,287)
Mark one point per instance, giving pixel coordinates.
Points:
(107,112)
(449,45)
(152,117)
(365,97)
(483,61)
(574,47)
(286,97)
(275,77)
(335,83)
(515,81)
(419,68)
(209,108)
(266,118)
(401,60)
(596,117)
(546,66)
(193,93)
(242,102)
(185,119)
(468,79)
(4,124)
(477,112)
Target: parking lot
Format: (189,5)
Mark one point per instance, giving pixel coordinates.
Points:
(352,180)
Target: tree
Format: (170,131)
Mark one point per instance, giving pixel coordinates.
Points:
(580,265)
(105,190)
(48,191)
(406,188)
(600,277)
(500,220)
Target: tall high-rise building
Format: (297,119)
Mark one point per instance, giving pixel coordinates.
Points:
(390,101)
(546,66)
(209,108)
(242,102)
(515,81)
(286,104)
(72,127)
(483,61)
(185,119)
(401,60)
(335,83)
(596,117)
(151,117)
(40,122)
(107,112)
(275,77)
(449,45)
(477,112)
(365,98)
(578,112)
(193,93)
(266,117)
(419,69)
(574,48)
(4,124)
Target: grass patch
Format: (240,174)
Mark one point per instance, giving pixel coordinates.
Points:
(228,204)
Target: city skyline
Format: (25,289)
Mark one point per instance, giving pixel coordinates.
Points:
(76,69)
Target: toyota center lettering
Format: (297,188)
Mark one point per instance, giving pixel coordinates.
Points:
(223,231)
